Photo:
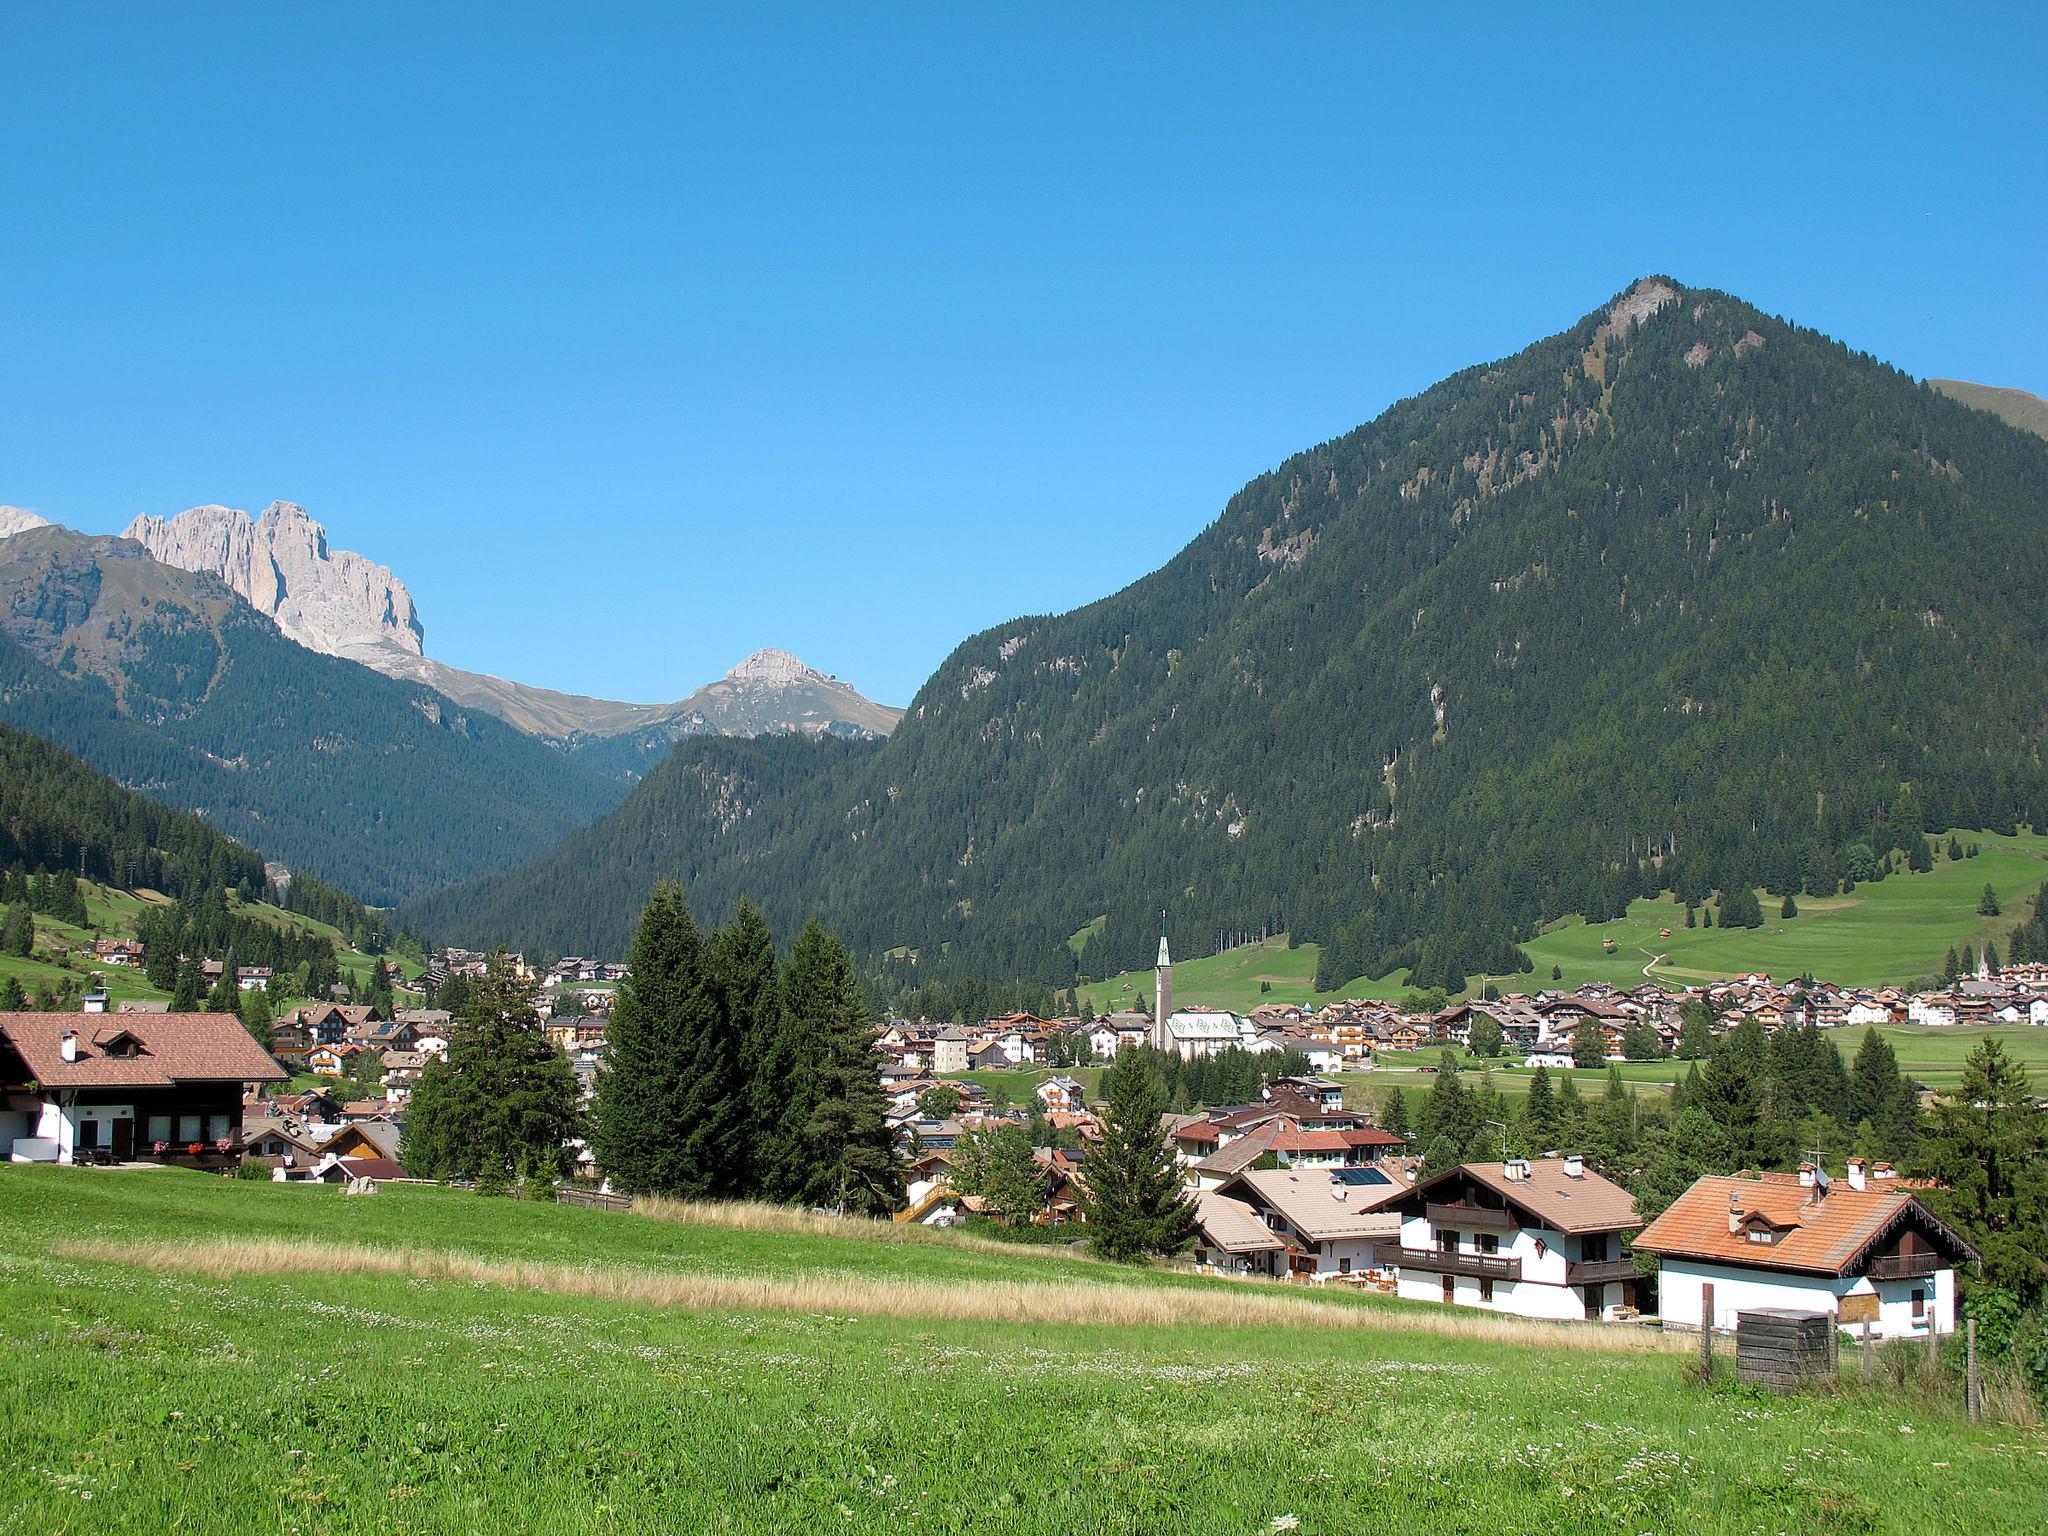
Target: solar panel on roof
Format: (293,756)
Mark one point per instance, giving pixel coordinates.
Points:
(1358,1176)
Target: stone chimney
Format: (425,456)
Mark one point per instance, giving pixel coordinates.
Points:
(1574,1166)
(1856,1173)
(68,1046)
(1734,1213)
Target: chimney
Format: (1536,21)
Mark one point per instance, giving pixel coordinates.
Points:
(1574,1166)
(1734,1213)
(95,1002)
(1884,1171)
(1856,1173)
(1516,1168)
(68,1046)
(1806,1175)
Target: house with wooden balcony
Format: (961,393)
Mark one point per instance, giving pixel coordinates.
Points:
(1542,1238)
(1325,1222)
(101,1088)
(1860,1249)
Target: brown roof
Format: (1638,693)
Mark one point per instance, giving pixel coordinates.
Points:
(175,1048)
(1821,1236)
(1558,1200)
(1320,1208)
(1233,1226)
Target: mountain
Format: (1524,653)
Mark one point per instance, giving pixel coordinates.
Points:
(58,814)
(2014,406)
(338,603)
(19,520)
(331,601)
(170,682)
(1684,596)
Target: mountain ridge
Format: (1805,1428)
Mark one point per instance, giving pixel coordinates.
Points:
(1558,628)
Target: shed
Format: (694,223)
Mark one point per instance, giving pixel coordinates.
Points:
(1784,1347)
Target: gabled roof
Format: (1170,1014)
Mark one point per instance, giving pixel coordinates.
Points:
(1563,1202)
(1830,1235)
(1319,1207)
(1233,1226)
(173,1048)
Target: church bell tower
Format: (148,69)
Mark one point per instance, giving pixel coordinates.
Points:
(1162,991)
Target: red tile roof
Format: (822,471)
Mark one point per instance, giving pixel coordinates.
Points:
(1825,1236)
(174,1048)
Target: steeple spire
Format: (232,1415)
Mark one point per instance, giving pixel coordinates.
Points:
(1162,989)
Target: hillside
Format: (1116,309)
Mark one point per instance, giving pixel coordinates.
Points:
(475,1355)
(169,682)
(2013,406)
(1684,596)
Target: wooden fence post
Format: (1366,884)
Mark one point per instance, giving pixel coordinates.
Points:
(1933,1342)
(1971,1394)
(1866,1351)
(1707,1332)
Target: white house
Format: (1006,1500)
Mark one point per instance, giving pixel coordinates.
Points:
(1861,1250)
(1539,1238)
(1192,1032)
(1328,1221)
(949,1051)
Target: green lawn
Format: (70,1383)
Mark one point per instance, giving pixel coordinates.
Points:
(148,1400)
(1892,932)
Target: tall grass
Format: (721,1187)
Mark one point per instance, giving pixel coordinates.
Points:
(793,1221)
(835,1292)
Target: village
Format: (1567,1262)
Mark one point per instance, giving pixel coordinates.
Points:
(1288,1183)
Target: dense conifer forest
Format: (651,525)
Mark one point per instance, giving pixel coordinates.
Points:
(169,682)
(1684,597)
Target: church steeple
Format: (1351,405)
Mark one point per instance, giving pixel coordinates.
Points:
(1162,989)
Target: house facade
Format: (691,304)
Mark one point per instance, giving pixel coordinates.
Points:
(1540,1238)
(1860,1249)
(127,1087)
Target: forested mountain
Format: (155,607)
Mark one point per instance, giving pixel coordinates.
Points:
(58,814)
(1684,596)
(168,681)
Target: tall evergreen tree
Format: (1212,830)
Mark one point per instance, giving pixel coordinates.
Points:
(226,996)
(191,991)
(504,1102)
(747,989)
(1394,1118)
(1589,1045)
(1571,1116)
(12,998)
(1986,1147)
(1539,1113)
(18,933)
(1136,1202)
(851,1162)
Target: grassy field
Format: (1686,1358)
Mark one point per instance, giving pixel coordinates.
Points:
(1894,931)
(195,1354)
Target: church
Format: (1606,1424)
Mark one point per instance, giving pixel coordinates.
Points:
(1192,1032)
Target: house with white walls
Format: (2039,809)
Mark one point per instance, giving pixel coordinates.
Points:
(1537,1237)
(1860,1249)
(1328,1221)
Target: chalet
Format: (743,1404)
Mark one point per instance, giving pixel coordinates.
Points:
(118,1088)
(987,1056)
(365,1139)
(287,1140)
(1060,1093)
(126,952)
(1231,1239)
(1539,1238)
(1328,1221)
(1862,1251)
(333,1060)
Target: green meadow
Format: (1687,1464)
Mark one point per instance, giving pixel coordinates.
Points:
(191,1354)
(1893,931)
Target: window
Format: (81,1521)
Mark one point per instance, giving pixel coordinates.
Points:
(1488,1242)
(217,1128)
(1919,1305)
(1446,1241)
(1450,1288)
(1343,1266)
(88,1135)
(1486,1290)
(189,1127)
(159,1127)
(1762,1235)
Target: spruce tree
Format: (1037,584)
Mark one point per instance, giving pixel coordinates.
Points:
(1539,1112)
(1589,1044)
(1571,1115)
(1987,905)
(225,997)
(788,1076)
(12,998)
(1788,907)
(852,1164)
(253,1007)
(1136,1203)
(1986,1147)
(747,988)
(1394,1118)
(1695,1029)
(18,933)
(191,991)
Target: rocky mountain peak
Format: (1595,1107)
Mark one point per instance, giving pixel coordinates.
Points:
(20,520)
(329,600)
(777,669)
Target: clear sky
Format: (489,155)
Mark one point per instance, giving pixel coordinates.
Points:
(637,338)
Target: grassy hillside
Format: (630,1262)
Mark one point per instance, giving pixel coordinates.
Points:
(469,1362)
(2016,407)
(1894,931)
(114,912)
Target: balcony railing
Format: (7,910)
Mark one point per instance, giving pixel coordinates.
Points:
(1435,1261)
(1905,1266)
(1469,1218)
(1599,1271)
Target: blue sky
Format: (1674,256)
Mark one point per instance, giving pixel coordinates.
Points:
(635,340)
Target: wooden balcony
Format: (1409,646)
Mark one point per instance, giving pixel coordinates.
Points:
(1469,1218)
(1434,1261)
(1905,1266)
(1599,1271)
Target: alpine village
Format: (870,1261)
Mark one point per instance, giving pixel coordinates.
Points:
(1501,987)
